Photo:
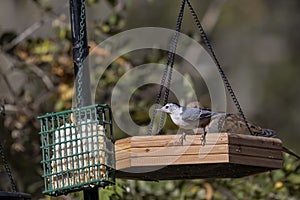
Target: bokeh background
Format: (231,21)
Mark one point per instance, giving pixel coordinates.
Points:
(257,43)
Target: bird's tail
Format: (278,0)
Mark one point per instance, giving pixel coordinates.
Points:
(271,133)
(288,151)
(265,133)
(268,133)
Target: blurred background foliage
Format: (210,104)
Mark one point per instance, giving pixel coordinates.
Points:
(256,41)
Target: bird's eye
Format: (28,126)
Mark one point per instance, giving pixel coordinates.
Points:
(167,107)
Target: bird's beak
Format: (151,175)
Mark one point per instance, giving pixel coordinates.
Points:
(158,109)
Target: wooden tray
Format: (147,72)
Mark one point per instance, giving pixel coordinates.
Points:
(225,155)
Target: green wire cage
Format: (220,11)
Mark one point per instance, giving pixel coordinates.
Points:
(77,149)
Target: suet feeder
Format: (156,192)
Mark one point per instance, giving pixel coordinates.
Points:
(77,149)
(77,145)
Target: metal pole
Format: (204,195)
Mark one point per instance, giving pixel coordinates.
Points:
(78,23)
(91,194)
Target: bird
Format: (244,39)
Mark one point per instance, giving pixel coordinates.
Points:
(232,123)
(235,123)
(195,104)
(213,122)
(188,118)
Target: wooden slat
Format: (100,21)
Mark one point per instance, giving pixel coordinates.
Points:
(211,138)
(198,150)
(256,161)
(271,162)
(171,160)
(255,141)
(179,150)
(177,160)
(171,151)
(254,151)
(123,144)
(123,164)
(170,140)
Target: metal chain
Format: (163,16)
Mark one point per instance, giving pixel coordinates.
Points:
(163,79)
(172,52)
(170,62)
(7,169)
(222,73)
(81,55)
(4,160)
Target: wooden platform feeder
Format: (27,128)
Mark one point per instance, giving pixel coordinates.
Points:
(225,155)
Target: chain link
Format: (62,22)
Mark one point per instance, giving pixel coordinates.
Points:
(7,169)
(222,73)
(81,55)
(171,58)
(4,160)
(170,63)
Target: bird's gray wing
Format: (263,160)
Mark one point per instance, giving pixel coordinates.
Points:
(195,114)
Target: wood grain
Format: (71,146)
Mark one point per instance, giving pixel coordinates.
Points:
(243,154)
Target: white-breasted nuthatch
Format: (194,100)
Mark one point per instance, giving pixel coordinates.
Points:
(188,118)
(196,117)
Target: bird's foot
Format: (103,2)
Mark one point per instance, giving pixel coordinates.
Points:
(203,138)
(182,138)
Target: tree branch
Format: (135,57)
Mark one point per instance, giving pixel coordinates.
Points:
(212,14)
